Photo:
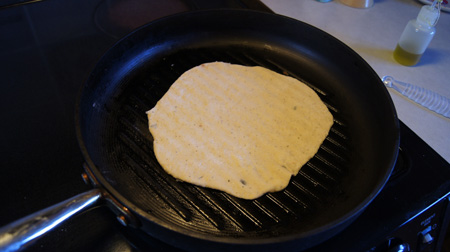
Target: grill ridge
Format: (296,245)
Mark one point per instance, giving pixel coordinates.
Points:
(332,155)
(266,211)
(321,172)
(305,190)
(280,204)
(165,190)
(327,163)
(242,208)
(219,204)
(295,198)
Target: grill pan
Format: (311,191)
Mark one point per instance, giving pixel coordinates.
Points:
(330,191)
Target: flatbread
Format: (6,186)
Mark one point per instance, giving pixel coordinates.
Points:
(242,130)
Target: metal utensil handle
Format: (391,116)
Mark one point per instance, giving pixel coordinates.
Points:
(21,233)
(422,96)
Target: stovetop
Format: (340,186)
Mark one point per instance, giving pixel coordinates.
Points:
(48,49)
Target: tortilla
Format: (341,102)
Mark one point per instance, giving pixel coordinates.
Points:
(242,130)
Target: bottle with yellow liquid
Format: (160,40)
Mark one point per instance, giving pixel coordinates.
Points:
(417,35)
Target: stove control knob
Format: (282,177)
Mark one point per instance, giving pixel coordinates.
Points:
(404,247)
(427,238)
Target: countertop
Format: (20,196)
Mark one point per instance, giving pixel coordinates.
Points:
(373,33)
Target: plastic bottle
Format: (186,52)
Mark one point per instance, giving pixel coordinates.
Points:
(417,35)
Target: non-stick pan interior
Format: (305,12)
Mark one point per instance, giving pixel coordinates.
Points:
(350,168)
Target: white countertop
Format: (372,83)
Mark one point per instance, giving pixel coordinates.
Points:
(373,33)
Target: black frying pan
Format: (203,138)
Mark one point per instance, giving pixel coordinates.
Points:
(330,191)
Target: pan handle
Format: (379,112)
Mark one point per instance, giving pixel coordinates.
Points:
(21,233)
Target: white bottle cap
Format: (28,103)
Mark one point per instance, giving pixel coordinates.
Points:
(428,16)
